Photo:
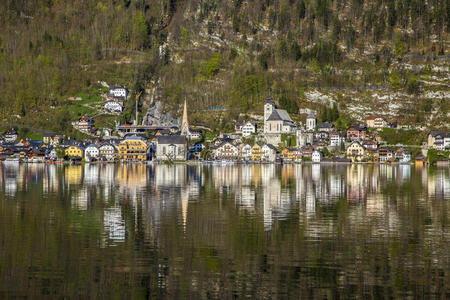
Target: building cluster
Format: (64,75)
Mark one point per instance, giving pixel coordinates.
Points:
(115,99)
(274,138)
(163,144)
(316,142)
(439,140)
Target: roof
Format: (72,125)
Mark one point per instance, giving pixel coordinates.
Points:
(171,139)
(224,143)
(373,117)
(310,116)
(325,125)
(113,87)
(279,115)
(271,147)
(436,133)
(269,100)
(134,137)
(284,115)
(274,116)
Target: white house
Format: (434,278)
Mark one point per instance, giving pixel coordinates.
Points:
(10,136)
(316,156)
(84,124)
(171,147)
(325,127)
(118,91)
(246,152)
(336,139)
(268,153)
(91,153)
(107,151)
(310,122)
(403,155)
(447,141)
(113,106)
(248,128)
(226,150)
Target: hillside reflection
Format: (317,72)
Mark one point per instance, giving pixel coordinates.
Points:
(215,228)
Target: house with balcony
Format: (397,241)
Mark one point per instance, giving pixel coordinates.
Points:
(355,151)
(226,151)
(132,148)
(268,153)
(376,122)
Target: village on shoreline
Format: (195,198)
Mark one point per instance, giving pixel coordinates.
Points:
(272,138)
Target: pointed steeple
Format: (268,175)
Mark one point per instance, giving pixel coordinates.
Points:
(185,123)
(185,117)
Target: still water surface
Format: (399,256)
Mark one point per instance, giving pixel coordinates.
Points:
(137,231)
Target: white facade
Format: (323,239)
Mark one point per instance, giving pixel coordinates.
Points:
(406,157)
(226,151)
(246,152)
(107,151)
(310,122)
(268,153)
(316,156)
(118,91)
(248,128)
(335,140)
(113,106)
(91,152)
(172,147)
(303,138)
(10,136)
(447,141)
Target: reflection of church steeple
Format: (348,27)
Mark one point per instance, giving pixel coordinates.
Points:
(185,123)
(184,207)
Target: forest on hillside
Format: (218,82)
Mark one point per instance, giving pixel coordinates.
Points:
(212,52)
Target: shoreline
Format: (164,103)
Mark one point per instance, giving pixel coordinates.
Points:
(213,163)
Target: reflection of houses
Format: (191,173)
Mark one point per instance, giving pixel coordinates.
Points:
(356,185)
(114,224)
(73,174)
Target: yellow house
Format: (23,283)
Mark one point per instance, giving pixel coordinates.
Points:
(376,122)
(256,151)
(355,151)
(74,151)
(290,154)
(133,148)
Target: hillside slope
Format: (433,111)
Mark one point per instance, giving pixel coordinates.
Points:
(388,57)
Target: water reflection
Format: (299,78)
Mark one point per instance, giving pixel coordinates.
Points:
(206,227)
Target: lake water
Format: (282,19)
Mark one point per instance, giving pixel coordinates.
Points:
(251,231)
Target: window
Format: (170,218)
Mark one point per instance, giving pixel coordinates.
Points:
(164,149)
